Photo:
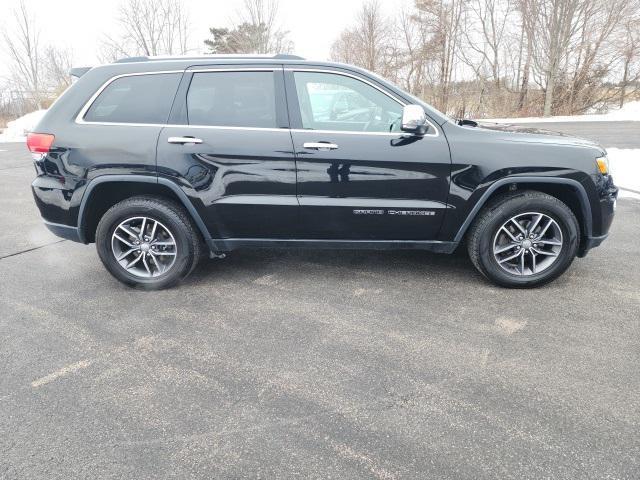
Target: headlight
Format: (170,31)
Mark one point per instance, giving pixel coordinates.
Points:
(603,165)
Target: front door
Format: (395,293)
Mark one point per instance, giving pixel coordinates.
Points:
(228,144)
(359,176)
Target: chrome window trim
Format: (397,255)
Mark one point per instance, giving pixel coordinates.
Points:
(170,125)
(265,129)
(225,127)
(239,69)
(364,80)
(346,132)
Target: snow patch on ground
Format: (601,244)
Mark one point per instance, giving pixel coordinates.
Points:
(17,129)
(625,168)
(629,112)
(628,194)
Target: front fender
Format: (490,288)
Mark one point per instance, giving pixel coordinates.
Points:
(483,193)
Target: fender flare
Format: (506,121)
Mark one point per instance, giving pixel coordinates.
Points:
(140,179)
(574,184)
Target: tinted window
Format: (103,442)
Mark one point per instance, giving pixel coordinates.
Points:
(135,99)
(234,99)
(336,102)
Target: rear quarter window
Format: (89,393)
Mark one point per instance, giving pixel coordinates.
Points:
(135,99)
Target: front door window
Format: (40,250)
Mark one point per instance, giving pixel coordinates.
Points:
(340,103)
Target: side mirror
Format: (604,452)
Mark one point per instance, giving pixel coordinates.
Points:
(414,120)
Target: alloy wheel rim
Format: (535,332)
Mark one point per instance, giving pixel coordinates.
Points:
(527,244)
(144,247)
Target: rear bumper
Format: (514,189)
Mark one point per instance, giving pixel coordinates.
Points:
(64,231)
(57,206)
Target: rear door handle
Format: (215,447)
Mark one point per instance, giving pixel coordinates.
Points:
(183,140)
(320,145)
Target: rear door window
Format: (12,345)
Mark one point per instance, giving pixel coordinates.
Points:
(232,99)
(136,99)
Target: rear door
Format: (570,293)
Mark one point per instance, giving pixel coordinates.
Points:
(228,145)
(359,176)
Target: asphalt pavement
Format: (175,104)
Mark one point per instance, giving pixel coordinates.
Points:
(313,364)
(608,134)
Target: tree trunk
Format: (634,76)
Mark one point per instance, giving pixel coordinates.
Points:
(625,80)
(525,75)
(548,96)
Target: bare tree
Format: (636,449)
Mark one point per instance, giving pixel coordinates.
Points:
(555,28)
(150,28)
(411,57)
(485,32)
(257,31)
(176,37)
(418,49)
(441,24)
(24,52)
(57,63)
(630,55)
(37,72)
(345,48)
(527,29)
(574,50)
(368,43)
(270,38)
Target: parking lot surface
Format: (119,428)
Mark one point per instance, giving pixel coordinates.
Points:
(609,134)
(313,364)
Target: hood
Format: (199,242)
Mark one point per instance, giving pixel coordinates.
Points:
(536,135)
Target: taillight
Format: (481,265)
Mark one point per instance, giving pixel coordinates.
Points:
(39,143)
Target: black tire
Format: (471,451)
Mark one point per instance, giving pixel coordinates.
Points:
(188,248)
(480,239)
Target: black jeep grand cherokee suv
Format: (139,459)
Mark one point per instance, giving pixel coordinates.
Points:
(161,160)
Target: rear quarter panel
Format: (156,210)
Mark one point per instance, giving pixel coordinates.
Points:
(82,152)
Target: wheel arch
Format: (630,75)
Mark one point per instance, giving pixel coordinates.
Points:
(105,191)
(575,197)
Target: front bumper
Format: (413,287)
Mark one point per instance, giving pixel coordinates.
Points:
(607,207)
(591,242)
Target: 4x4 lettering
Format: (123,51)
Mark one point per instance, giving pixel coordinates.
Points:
(425,213)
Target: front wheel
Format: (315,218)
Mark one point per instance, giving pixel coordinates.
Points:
(147,242)
(524,239)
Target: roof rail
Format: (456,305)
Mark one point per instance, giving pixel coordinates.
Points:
(279,56)
(288,56)
(132,59)
(77,72)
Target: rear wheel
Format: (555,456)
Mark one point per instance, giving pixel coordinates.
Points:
(524,239)
(148,242)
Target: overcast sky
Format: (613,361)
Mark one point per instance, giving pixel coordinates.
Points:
(79,24)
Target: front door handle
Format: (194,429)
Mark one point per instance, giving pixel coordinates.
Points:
(183,140)
(320,145)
